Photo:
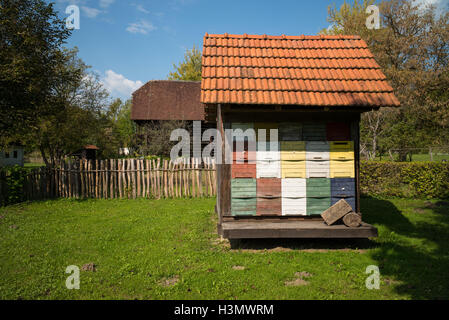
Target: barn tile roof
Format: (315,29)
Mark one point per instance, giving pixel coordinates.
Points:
(292,70)
(168,100)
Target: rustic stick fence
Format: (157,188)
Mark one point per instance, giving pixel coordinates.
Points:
(120,178)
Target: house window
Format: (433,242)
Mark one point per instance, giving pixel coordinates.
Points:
(15,154)
(6,155)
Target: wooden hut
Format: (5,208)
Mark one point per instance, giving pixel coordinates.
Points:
(87,152)
(312,89)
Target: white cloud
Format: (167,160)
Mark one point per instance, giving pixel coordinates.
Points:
(90,12)
(142,27)
(142,9)
(106,3)
(118,85)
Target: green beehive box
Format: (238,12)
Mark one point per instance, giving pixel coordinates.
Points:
(243,206)
(317,205)
(318,187)
(243,188)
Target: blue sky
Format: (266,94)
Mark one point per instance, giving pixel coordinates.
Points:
(131,42)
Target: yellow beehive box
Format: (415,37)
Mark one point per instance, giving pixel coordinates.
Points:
(293,155)
(342,169)
(293,150)
(342,150)
(293,169)
(267,126)
(293,146)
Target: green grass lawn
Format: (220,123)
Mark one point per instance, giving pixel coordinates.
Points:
(168,249)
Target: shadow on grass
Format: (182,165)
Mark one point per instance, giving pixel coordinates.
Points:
(302,244)
(414,254)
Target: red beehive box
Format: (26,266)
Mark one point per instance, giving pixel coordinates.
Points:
(269,206)
(269,187)
(243,170)
(338,131)
(245,154)
(269,192)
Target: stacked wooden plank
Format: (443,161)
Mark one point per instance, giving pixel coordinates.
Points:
(341,211)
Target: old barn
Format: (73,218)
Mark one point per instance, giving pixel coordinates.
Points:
(167,100)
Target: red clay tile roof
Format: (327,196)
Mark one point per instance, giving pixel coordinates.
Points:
(91,147)
(292,70)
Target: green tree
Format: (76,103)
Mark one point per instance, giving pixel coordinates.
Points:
(412,49)
(77,117)
(123,127)
(31,35)
(190,68)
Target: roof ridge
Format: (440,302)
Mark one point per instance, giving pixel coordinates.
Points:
(284,37)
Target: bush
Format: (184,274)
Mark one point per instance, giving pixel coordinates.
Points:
(403,179)
(13,182)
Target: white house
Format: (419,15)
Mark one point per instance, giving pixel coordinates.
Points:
(11,156)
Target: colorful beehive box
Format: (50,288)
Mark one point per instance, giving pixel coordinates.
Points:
(341,150)
(269,194)
(268,160)
(314,131)
(317,205)
(243,170)
(293,169)
(294,188)
(318,187)
(342,169)
(244,126)
(318,195)
(293,150)
(317,159)
(267,146)
(343,188)
(317,150)
(294,206)
(267,134)
(342,163)
(243,197)
(338,131)
(290,131)
(241,152)
(268,169)
(294,200)
(317,169)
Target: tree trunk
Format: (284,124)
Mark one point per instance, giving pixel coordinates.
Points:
(44,156)
(391,155)
(402,156)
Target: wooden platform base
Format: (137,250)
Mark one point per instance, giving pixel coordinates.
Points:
(292,229)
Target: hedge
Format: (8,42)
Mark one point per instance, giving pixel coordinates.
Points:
(12,182)
(405,179)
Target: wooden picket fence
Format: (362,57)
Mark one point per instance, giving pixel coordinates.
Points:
(121,178)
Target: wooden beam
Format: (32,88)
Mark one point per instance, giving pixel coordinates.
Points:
(257,116)
(226,176)
(293,229)
(219,166)
(355,135)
